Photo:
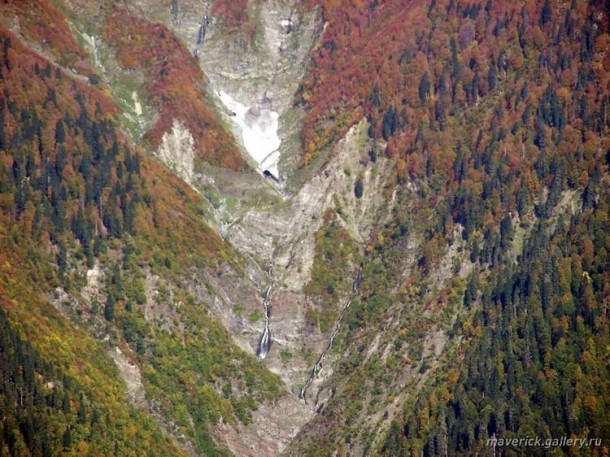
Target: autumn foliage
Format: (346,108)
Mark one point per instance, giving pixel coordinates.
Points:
(418,71)
(76,196)
(71,170)
(496,117)
(484,102)
(43,24)
(175,85)
(233,15)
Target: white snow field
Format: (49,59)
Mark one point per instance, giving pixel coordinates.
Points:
(259,130)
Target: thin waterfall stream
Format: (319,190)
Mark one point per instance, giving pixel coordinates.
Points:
(265,343)
(318,365)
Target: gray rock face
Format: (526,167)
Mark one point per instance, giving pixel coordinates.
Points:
(263,71)
(278,232)
(177,153)
(282,236)
(271,222)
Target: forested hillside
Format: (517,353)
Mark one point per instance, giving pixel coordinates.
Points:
(536,363)
(78,198)
(173,84)
(496,117)
(430,266)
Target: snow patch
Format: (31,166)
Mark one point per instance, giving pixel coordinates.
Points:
(287,25)
(259,130)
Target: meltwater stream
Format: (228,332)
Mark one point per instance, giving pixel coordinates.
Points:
(318,365)
(265,343)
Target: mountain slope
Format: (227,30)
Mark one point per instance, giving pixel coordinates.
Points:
(479,105)
(60,391)
(113,259)
(430,260)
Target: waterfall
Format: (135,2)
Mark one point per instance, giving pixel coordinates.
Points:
(265,343)
(318,365)
(202,29)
